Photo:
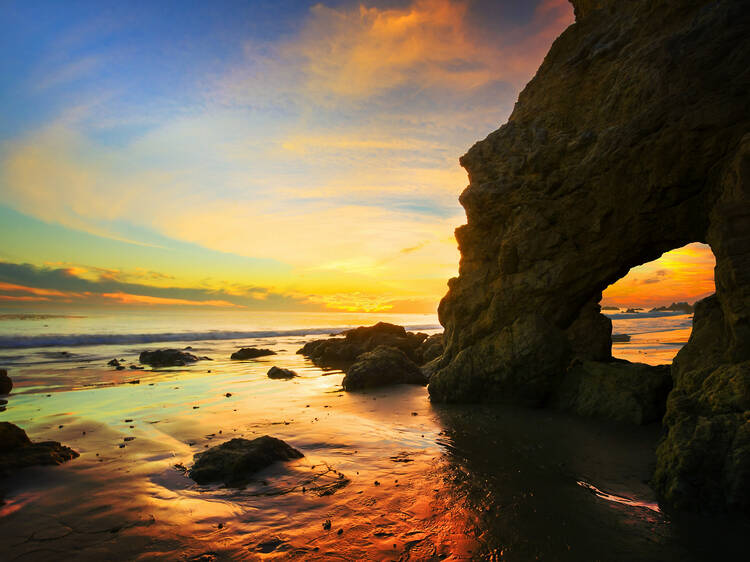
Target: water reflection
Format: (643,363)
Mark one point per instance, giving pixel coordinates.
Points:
(549,486)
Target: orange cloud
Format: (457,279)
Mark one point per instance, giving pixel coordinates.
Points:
(126,298)
(34,291)
(367,50)
(685,274)
(12,298)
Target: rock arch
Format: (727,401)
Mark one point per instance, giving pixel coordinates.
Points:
(632,139)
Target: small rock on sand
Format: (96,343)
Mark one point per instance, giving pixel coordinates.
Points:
(17,451)
(167,358)
(235,461)
(251,353)
(279,373)
(5,383)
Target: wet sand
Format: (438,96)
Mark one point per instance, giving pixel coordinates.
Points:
(453,482)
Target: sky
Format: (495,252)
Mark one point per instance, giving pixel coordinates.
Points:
(262,155)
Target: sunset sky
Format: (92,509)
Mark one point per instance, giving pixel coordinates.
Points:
(265,154)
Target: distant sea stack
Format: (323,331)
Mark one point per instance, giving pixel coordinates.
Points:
(683,307)
(632,139)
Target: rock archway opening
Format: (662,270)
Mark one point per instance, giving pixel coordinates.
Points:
(651,308)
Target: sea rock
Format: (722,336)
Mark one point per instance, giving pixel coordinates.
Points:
(6,384)
(17,451)
(251,353)
(431,348)
(616,390)
(167,358)
(380,367)
(632,139)
(342,352)
(620,338)
(279,373)
(113,363)
(675,307)
(235,461)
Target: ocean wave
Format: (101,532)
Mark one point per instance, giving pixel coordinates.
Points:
(71,340)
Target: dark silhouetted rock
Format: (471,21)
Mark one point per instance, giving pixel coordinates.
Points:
(380,367)
(632,139)
(17,451)
(235,461)
(682,307)
(279,373)
(251,353)
(620,338)
(113,363)
(633,310)
(431,348)
(6,384)
(617,390)
(167,358)
(342,352)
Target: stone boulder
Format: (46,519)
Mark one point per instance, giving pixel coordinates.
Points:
(381,367)
(17,451)
(167,358)
(235,461)
(6,384)
(279,373)
(617,390)
(431,348)
(341,352)
(632,139)
(251,353)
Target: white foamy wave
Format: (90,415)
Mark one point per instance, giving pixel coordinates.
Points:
(70,340)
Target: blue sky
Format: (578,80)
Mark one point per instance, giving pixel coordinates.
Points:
(246,149)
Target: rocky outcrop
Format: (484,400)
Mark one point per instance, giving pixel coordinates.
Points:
(279,373)
(18,452)
(381,367)
(235,461)
(618,390)
(167,358)
(632,139)
(251,353)
(6,384)
(683,307)
(342,352)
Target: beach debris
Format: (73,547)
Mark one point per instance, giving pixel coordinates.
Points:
(135,381)
(6,384)
(235,461)
(327,525)
(167,358)
(126,439)
(228,394)
(17,451)
(279,373)
(251,353)
(380,367)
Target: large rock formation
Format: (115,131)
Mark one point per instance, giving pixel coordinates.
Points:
(632,139)
(342,352)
